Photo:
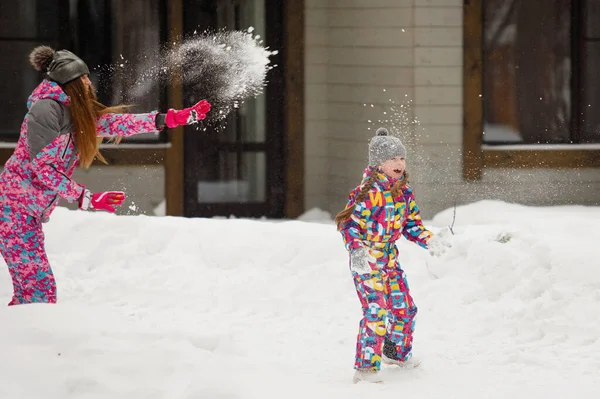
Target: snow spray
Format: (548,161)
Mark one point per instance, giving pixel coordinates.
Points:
(397,119)
(225,67)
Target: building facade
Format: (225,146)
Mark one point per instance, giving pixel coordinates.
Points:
(464,109)
(491,102)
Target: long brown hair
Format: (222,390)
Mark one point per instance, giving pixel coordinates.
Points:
(85,109)
(362,195)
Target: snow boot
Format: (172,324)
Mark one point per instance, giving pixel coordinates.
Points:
(390,356)
(367,375)
(411,363)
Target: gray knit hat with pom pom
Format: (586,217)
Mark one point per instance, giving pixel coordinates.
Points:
(62,66)
(383,147)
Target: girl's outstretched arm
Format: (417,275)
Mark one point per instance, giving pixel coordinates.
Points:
(414,230)
(111,125)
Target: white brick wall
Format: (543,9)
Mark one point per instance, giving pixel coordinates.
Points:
(438,105)
(413,49)
(144,186)
(355,50)
(316,106)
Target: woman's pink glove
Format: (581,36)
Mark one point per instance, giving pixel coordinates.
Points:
(187,116)
(103,201)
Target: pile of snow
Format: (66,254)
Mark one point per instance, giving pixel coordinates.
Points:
(161,209)
(232,308)
(316,215)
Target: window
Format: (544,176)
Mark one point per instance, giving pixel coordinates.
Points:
(101,32)
(239,168)
(531,91)
(31,23)
(137,28)
(527,68)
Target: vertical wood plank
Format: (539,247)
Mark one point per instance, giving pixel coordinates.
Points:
(294,106)
(473,89)
(174,166)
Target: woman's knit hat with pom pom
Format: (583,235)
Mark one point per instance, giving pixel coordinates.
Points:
(62,66)
(383,147)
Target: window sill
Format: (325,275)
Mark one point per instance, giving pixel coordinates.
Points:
(543,156)
(128,154)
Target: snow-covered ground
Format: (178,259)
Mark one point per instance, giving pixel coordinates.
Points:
(162,307)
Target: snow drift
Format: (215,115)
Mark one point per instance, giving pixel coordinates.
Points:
(210,308)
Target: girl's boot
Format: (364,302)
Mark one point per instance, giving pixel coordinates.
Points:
(390,356)
(367,375)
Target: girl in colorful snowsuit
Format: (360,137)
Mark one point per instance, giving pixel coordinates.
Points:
(63,127)
(379,211)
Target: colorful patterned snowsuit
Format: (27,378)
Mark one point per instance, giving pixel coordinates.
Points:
(384,294)
(36,176)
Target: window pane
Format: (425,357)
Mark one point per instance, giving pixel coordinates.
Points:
(591,11)
(22,22)
(253,112)
(19,79)
(49,15)
(248,123)
(31,23)
(135,46)
(590,95)
(526,79)
(242,179)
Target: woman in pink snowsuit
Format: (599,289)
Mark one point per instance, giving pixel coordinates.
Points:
(63,127)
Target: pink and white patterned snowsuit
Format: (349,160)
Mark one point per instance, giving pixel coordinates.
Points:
(36,176)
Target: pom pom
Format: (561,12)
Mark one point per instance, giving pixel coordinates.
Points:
(41,57)
(381,132)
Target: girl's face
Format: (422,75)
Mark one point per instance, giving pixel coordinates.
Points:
(86,81)
(394,167)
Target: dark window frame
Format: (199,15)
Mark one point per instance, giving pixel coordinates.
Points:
(171,153)
(273,204)
(148,151)
(476,155)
